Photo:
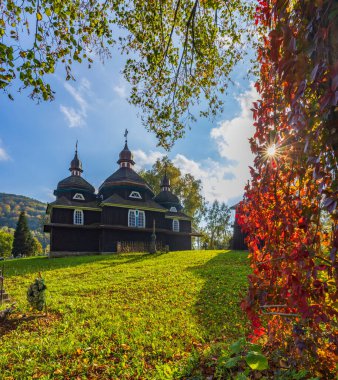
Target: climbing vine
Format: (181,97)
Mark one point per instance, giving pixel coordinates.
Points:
(289,211)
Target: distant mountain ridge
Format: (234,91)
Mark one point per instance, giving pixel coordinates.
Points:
(11,205)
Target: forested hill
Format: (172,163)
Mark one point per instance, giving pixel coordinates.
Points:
(11,205)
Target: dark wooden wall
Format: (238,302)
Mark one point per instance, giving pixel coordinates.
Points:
(119,216)
(105,239)
(180,243)
(65,216)
(74,240)
(109,239)
(238,238)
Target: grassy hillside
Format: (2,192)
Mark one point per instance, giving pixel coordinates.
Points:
(128,316)
(11,205)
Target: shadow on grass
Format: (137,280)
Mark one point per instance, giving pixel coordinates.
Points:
(27,266)
(27,322)
(134,259)
(217,308)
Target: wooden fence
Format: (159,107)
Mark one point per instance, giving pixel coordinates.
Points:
(137,246)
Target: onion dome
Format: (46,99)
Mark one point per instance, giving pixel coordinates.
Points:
(125,177)
(166,198)
(76,164)
(126,157)
(75,181)
(165,183)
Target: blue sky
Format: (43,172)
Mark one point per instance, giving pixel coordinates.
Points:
(37,140)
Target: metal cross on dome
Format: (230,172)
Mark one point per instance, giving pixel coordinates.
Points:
(126,134)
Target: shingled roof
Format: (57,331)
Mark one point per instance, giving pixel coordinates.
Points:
(177,215)
(75,182)
(63,201)
(168,199)
(116,200)
(125,175)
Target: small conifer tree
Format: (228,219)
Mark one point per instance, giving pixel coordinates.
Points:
(22,244)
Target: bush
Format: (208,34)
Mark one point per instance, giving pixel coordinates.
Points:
(36,294)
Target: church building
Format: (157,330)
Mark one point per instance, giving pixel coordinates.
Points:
(238,237)
(123,211)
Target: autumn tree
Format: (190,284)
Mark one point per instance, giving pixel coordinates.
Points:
(185,186)
(217,219)
(23,239)
(6,243)
(36,247)
(289,210)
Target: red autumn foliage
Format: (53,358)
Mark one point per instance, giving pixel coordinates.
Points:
(289,209)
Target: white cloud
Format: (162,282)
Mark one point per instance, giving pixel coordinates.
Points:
(215,176)
(225,178)
(144,159)
(232,142)
(76,117)
(4,156)
(121,90)
(77,96)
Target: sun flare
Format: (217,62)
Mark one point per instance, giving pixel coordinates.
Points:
(271,150)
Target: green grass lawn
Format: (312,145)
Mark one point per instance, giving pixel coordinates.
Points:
(127,316)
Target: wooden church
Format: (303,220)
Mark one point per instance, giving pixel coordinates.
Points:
(123,211)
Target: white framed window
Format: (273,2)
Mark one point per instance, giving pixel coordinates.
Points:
(135,194)
(78,217)
(173,209)
(136,218)
(131,218)
(79,197)
(176,225)
(141,222)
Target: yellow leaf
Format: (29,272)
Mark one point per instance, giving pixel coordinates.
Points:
(39,16)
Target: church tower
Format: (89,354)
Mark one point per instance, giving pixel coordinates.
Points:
(125,182)
(75,187)
(165,197)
